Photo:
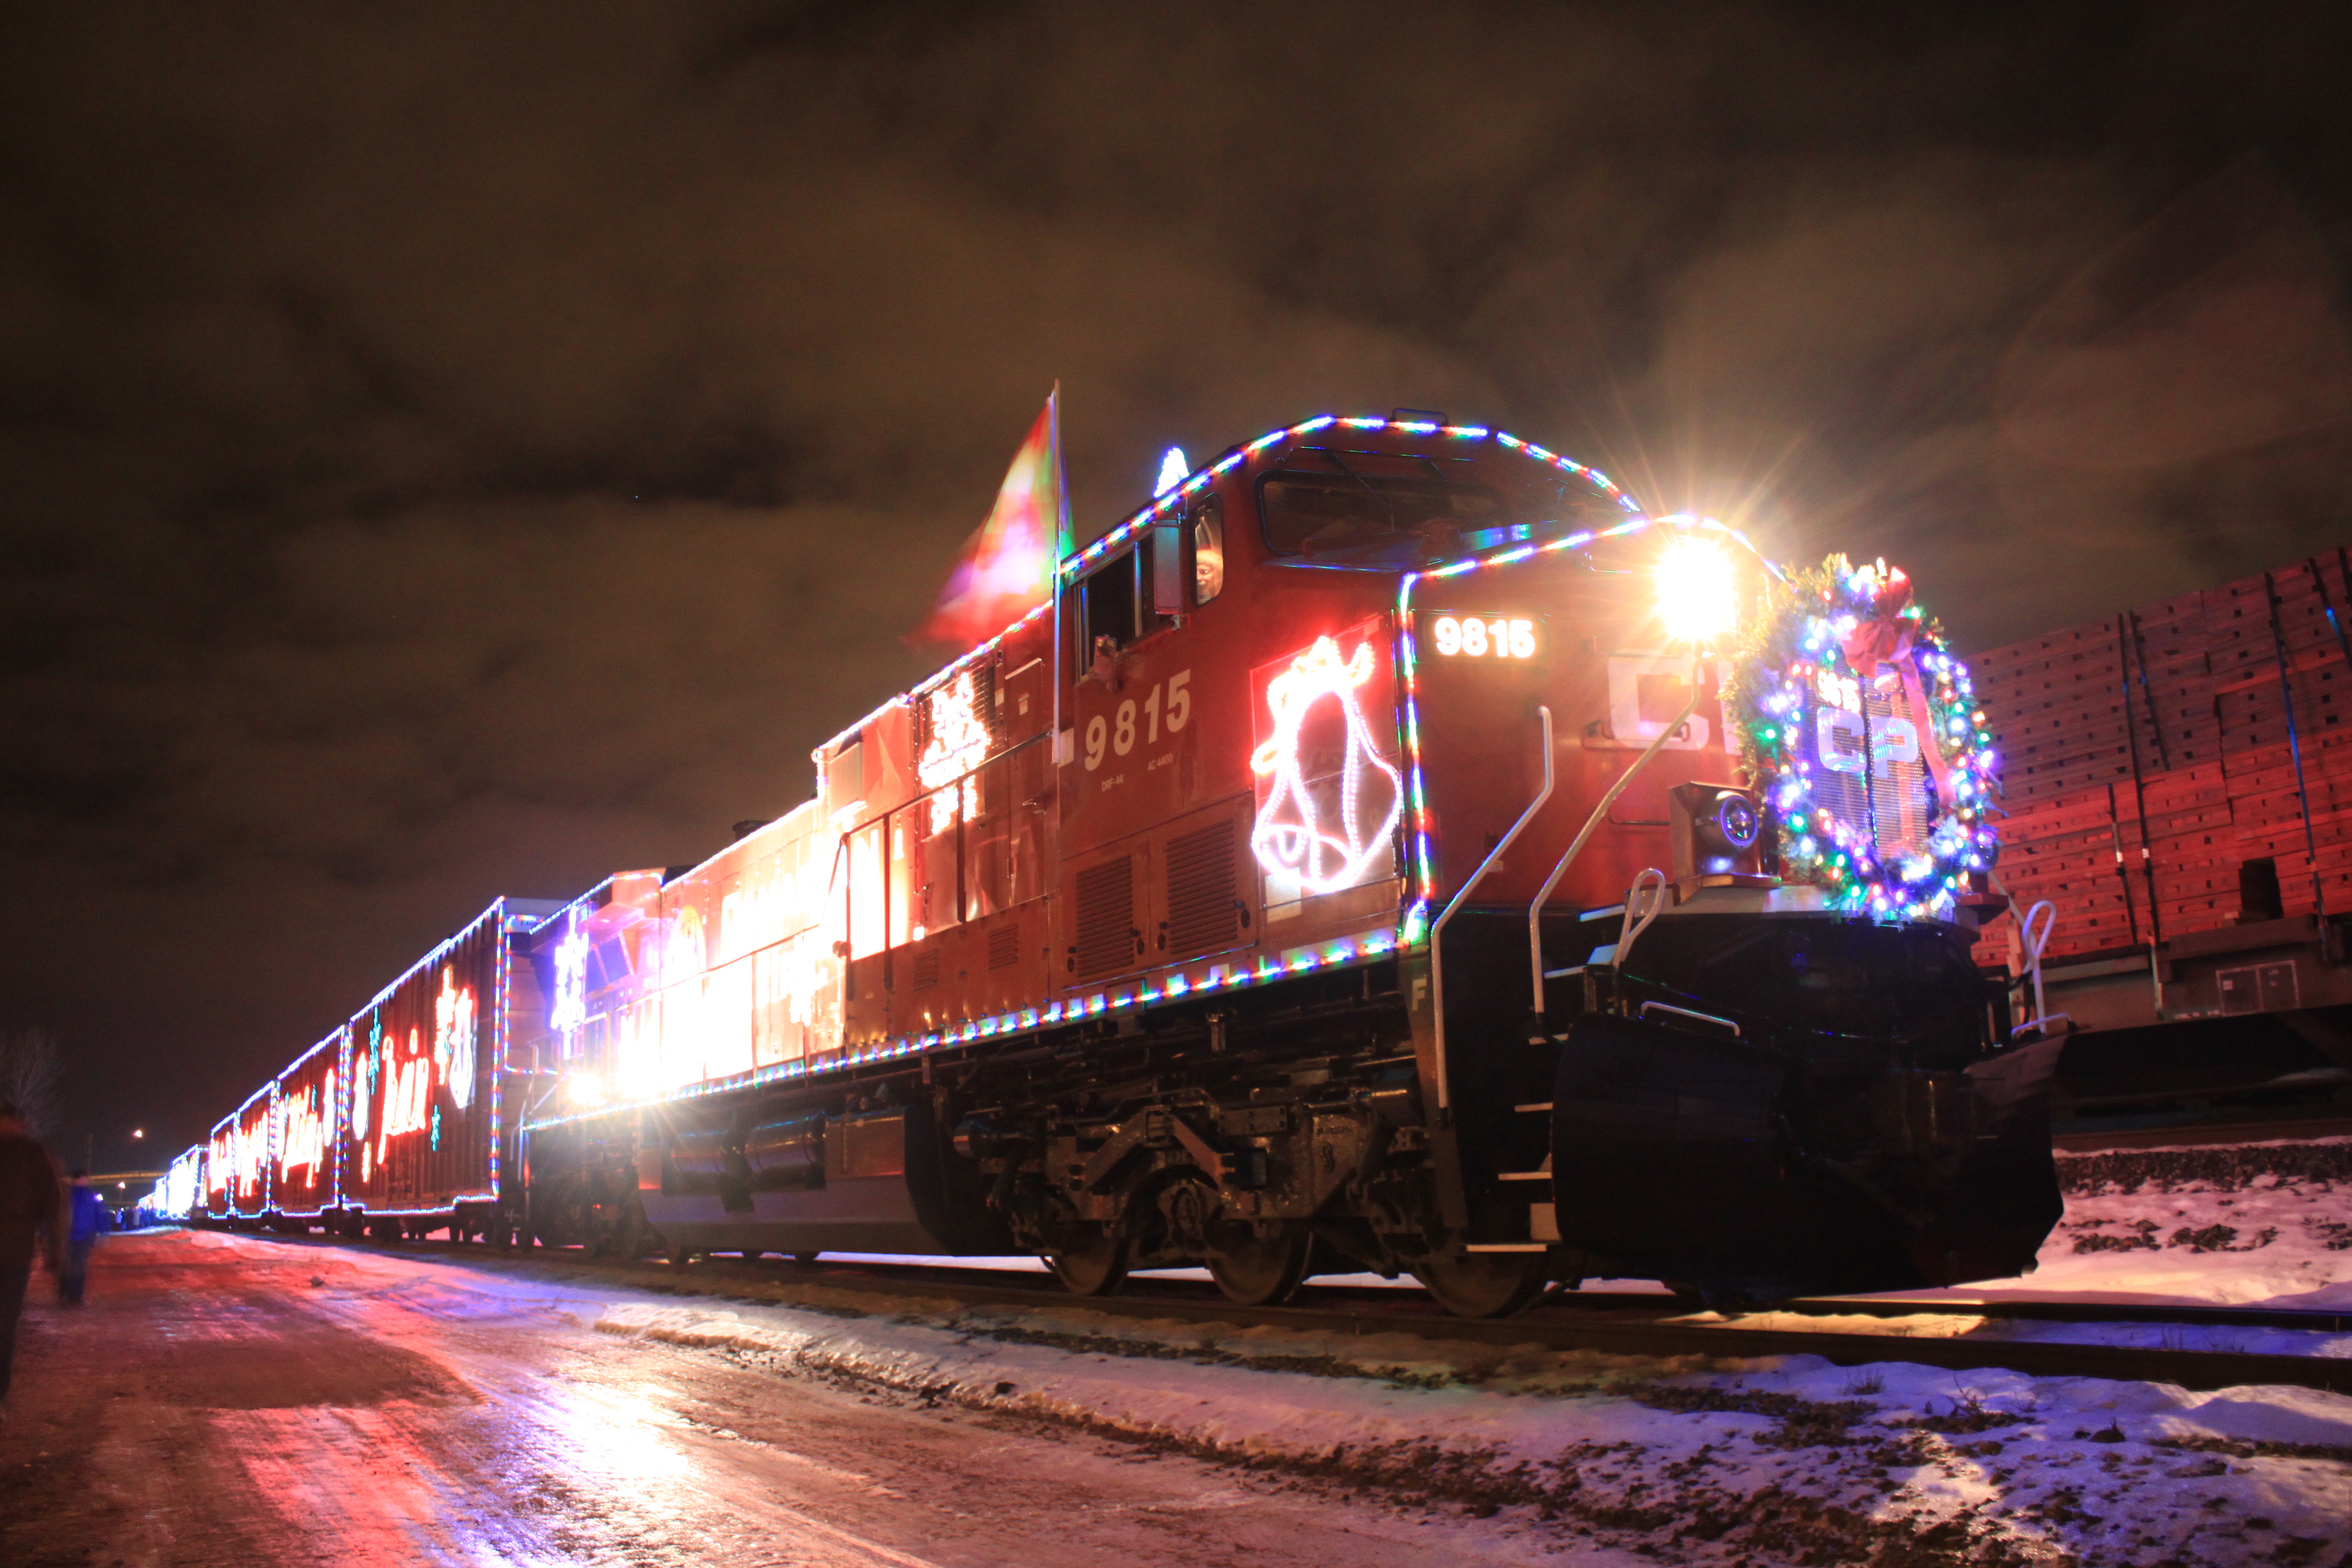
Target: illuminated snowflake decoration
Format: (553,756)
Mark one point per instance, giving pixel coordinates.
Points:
(570,1006)
(1291,832)
(1876,780)
(958,743)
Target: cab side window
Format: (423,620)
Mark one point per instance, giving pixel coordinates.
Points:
(1208,550)
(1109,607)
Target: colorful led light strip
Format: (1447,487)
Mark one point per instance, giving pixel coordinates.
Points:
(1414,926)
(1226,975)
(1175,498)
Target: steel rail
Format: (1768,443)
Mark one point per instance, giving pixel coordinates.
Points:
(1629,1332)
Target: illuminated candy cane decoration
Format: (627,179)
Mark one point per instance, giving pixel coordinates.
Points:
(1324,859)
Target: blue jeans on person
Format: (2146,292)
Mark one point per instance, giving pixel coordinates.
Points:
(74,1275)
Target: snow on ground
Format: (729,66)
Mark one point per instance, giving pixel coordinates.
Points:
(1781,1460)
(2267,1225)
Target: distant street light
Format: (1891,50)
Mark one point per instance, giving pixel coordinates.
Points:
(138,1133)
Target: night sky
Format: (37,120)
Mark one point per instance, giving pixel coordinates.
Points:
(447,451)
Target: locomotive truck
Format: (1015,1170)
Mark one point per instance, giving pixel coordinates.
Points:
(1390,849)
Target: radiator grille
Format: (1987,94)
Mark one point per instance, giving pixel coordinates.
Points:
(1107,917)
(1004,946)
(1203,912)
(926,968)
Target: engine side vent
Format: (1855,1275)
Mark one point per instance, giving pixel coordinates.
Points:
(1004,946)
(926,968)
(1203,910)
(1105,909)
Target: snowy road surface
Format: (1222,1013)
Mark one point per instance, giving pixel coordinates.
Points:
(229,1399)
(240,1403)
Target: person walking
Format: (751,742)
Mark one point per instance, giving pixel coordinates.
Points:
(32,1209)
(84,1217)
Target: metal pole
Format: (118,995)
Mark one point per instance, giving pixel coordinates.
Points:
(2155,723)
(2294,750)
(2319,581)
(2139,799)
(2116,837)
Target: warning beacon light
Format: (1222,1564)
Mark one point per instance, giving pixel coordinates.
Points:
(1697,593)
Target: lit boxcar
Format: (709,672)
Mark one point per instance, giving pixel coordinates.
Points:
(422,1142)
(303,1136)
(238,1165)
(180,1193)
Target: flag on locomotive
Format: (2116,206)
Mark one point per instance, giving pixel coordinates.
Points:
(1390,848)
(1006,568)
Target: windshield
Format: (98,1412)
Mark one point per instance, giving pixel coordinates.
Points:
(1314,514)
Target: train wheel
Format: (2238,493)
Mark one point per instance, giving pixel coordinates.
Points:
(1097,1269)
(806,1259)
(633,1236)
(680,1256)
(1255,1272)
(1484,1284)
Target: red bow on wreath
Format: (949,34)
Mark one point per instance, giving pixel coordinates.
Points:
(1885,638)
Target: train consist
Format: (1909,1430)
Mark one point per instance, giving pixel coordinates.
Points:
(1390,849)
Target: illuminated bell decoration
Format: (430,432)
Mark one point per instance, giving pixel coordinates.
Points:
(1294,833)
(1873,762)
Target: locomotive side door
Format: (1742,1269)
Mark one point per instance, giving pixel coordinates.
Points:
(1150,713)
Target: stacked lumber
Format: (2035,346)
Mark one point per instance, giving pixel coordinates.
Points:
(2146,757)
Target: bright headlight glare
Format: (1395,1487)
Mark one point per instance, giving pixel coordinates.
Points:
(1697,595)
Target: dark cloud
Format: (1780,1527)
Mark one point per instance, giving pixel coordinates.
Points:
(459,450)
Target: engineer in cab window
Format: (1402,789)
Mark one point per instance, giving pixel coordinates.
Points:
(1208,550)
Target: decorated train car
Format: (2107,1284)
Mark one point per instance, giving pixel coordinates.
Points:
(431,1101)
(236,1161)
(179,1194)
(1390,848)
(308,1109)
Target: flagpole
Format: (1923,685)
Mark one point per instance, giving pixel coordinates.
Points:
(1062,544)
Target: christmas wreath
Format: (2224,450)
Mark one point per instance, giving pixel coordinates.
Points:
(1838,687)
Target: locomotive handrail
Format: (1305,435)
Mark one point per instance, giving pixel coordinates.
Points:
(1576,844)
(1649,1007)
(1437,927)
(1641,912)
(2036,937)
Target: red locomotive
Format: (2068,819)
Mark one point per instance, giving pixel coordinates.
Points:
(1379,855)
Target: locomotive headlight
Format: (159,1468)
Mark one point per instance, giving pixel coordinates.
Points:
(584,1088)
(1734,820)
(1697,595)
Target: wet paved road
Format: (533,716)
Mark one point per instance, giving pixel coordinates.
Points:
(231,1401)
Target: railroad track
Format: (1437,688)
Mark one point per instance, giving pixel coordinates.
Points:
(2201,1134)
(1609,1324)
